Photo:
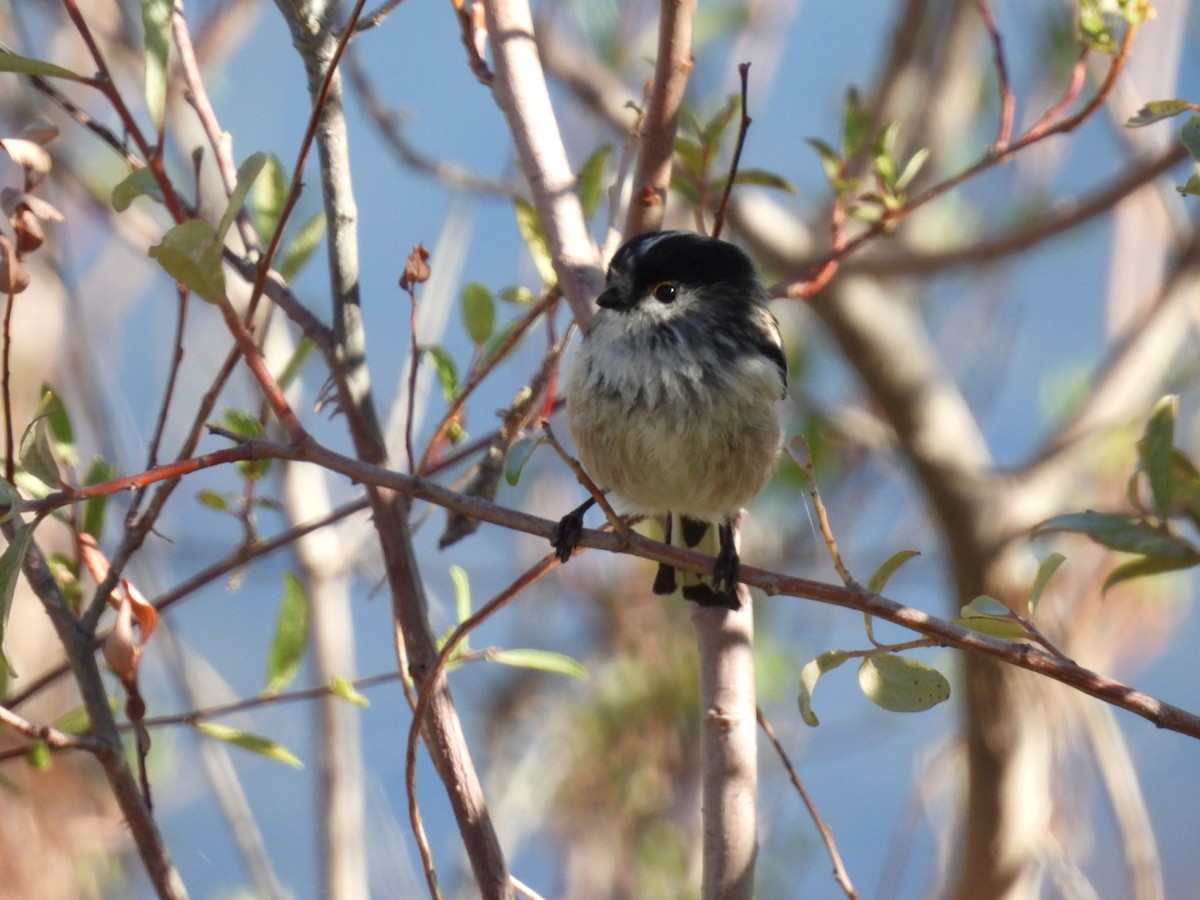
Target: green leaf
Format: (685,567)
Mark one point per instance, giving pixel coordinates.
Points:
(987,615)
(1127,534)
(902,684)
(522,296)
(911,168)
(691,156)
(246,175)
(247,741)
(61,431)
(91,521)
(763,178)
(75,721)
(1192,187)
(855,122)
(214,500)
(306,240)
(983,605)
(138,183)
(462,595)
(1147,565)
(344,688)
(191,254)
(1157,110)
(591,179)
(479,312)
(719,124)
(519,456)
(10,572)
(243,423)
(1045,572)
(889,568)
(831,160)
(270,193)
(809,676)
(291,635)
(38,756)
(35,454)
(23,65)
(1185,487)
(156,27)
(1190,135)
(443,364)
(10,500)
(1156,450)
(542,661)
(247,425)
(534,235)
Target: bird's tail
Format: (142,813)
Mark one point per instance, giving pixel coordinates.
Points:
(703,537)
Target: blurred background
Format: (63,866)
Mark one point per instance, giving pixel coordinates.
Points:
(1051,300)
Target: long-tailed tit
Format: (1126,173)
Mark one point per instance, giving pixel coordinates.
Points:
(672,399)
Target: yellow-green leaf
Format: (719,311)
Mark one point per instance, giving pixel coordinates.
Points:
(191,254)
(306,240)
(809,676)
(344,688)
(1045,572)
(531,230)
(10,571)
(247,741)
(1155,451)
(138,183)
(478,312)
(23,65)
(156,28)
(542,661)
(1157,110)
(291,635)
(901,683)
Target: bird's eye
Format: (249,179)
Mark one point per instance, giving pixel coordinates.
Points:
(665,292)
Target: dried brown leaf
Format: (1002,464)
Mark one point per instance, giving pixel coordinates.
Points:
(13,276)
(416,269)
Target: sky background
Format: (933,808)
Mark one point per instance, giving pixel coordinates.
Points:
(861,763)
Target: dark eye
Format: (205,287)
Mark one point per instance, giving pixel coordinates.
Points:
(665,292)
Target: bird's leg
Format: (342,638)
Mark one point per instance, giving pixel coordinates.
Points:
(570,530)
(664,580)
(725,569)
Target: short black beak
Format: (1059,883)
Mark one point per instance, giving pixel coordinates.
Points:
(612,298)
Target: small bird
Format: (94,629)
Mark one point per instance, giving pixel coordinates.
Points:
(672,399)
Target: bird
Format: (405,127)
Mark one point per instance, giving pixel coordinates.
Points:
(672,399)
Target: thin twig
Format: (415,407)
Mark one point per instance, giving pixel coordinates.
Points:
(1042,129)
(743,127)
(10,462)
(1007,100)
(432,685)
(799,451)
(480,372)
(239,558)
(164,407)
(617,523)
(839,867)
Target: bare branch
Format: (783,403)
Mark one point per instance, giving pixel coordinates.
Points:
(521,94)
(656,151)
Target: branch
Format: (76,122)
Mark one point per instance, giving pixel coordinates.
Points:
(320,48)
(839,867)
(520,91)
(652,177)
(1162,714)
(728,750)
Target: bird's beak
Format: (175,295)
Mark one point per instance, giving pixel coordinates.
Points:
(613,298)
